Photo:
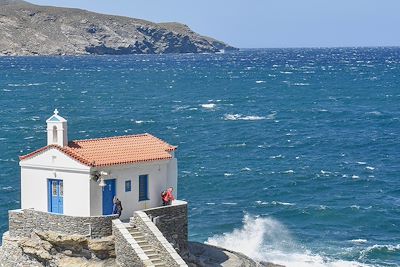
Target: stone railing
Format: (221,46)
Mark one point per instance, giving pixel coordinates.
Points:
(23,222)
(172,221)
(156,239)
(127,251)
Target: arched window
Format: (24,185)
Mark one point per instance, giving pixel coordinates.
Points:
(55,137)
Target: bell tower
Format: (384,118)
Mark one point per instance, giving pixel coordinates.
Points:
(57,130)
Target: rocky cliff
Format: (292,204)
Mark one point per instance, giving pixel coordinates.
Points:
(28,29)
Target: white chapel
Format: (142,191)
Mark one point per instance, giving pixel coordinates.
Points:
(81,177)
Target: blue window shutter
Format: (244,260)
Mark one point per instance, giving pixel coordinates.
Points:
(143,187)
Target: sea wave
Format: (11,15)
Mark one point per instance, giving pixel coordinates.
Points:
(378,250)
(235,117)
(266,239)
(208,106)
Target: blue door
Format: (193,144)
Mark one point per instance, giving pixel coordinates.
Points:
(108,195)
(56,196)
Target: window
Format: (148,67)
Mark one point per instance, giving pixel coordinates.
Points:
(55,134)
(54,188)
(143,187)
(128,186)
(61,189)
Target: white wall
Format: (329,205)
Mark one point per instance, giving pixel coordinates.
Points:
(83,196)
(53,164)
(161,176)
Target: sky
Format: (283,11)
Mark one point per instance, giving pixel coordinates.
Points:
(267,23)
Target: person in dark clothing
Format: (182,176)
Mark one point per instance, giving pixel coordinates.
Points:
(118,207)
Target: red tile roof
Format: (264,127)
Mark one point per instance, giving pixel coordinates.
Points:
(114,150)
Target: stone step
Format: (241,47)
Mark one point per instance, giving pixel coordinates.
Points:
(158,262)
(148,250)
(137,238)
(153,256)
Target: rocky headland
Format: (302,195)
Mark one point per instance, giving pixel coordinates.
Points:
(28,29)
(54,249)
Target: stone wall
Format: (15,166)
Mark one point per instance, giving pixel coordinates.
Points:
(172,221)
(23,222)
(156,239)
(127,250)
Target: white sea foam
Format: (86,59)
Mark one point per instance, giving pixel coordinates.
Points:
(24,84)
(379,248)
(229,203)
(141,122)
(289,171)
(282,203)
(7,188)
(277,157)
(370,168)
(301,84)
(359,241)
(227,174)
(266,239)
(208,106)
(260,81)
(246,169)
(235,117)
(376,113)
(355,177)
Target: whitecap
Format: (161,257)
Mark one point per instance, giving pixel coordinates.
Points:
(140,121)
(227,174)
(208,106)
(282,203)
(301,84)
(29,137)
(246,169)
(355,177)
(238,145)
(271,116)
(370,168)
(229,203)
(8,188)
(289,171)
(267,239)
(361,162)
(260,81)
(210,203)
(359,241)
(376,113)
(277,157)
(380,248)
(235,117)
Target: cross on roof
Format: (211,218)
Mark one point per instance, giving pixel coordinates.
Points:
(56,112)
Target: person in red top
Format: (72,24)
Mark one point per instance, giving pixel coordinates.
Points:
(167,196)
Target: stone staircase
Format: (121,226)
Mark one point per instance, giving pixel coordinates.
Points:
(147,248)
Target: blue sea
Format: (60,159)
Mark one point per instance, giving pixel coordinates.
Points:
(287,155)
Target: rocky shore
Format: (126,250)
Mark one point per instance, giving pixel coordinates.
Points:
(28,29)
(54,249)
